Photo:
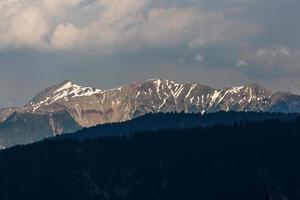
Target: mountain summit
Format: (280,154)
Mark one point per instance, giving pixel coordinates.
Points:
(90,106)
(86,106)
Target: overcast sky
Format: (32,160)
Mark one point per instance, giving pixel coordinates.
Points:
(107,43)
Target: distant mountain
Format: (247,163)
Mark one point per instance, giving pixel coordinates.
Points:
(252,160)
(90,106)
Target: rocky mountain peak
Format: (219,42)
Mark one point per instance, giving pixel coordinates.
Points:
(63,91)
(90,106)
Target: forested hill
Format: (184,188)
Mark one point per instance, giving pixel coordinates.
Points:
(164,121)
(253,160)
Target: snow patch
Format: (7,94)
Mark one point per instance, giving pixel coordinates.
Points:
(215,96)
(235,90)
(191,89)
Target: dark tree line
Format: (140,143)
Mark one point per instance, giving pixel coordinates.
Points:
(160,121)
(248,160)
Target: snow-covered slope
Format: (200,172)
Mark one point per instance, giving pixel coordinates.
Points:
(63,91)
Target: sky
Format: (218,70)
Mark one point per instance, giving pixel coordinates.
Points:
(108,43)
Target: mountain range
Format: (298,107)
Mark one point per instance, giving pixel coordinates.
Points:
(67,106)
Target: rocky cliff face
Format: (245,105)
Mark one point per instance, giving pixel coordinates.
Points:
(89,106)
(80,106)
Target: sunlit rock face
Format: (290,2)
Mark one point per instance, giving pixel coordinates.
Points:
(90,106)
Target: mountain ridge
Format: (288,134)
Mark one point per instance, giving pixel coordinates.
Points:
(152,95)
(179,92)
(88,106)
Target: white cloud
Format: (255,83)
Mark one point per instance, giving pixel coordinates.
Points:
(28,26)
(112,24)
(5,3)
(241,63)
(273,51)
(274,56)
(270,61)
(22,27)
(57,5)
(196,43)
(191,25)
(118,12)
(66,36)
(199,57)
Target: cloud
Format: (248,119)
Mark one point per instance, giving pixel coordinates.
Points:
(273,52)
(22,27)
(66,36)
(271,61)
(121,12)
(58,5)
(199,58)
(241,63)
(106,25)
(196,43)
(180,39)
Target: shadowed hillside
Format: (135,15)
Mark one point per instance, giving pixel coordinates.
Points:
(253,160)
(160,121)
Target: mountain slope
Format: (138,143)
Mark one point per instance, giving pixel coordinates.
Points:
(90,106)
(24,128)
(169,121)
(257,161)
